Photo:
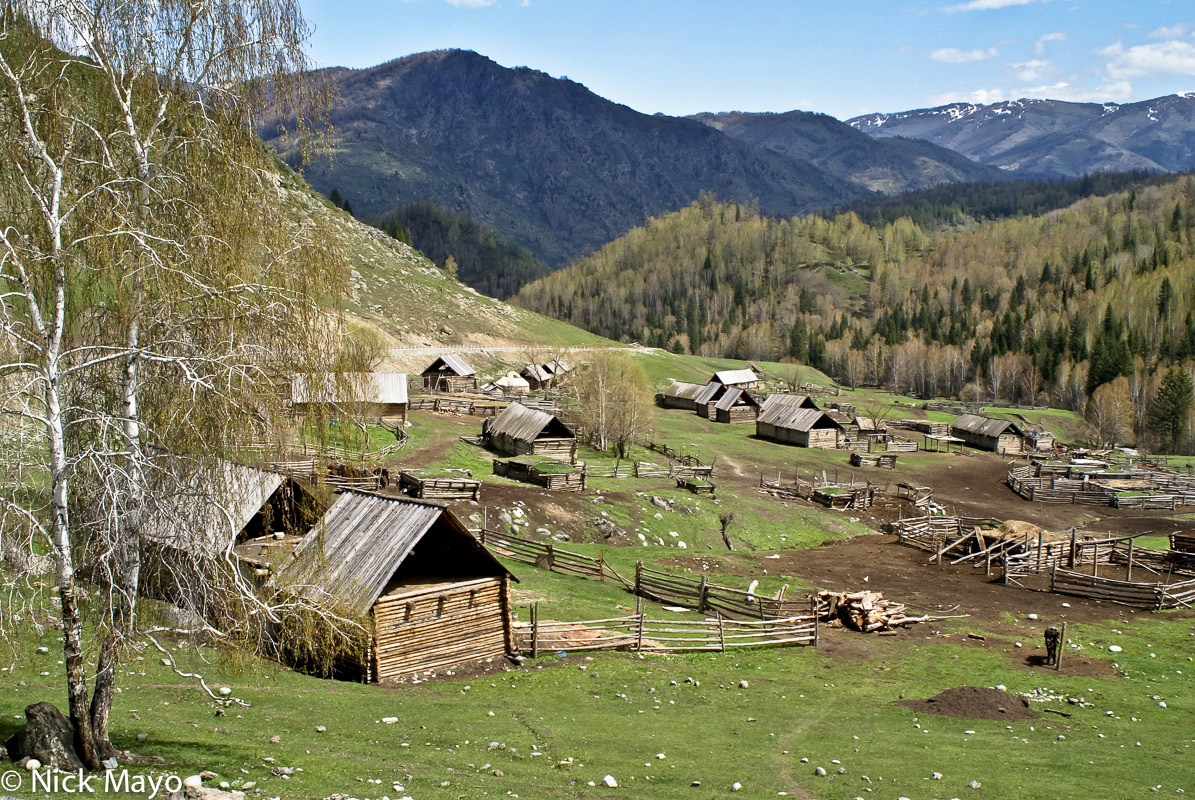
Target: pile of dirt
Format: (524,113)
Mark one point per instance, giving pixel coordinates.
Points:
(974,702)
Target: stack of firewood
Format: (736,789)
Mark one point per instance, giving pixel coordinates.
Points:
(864,611)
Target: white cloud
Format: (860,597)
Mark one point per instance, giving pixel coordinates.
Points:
(1116,92)
(978,96)
(986,5)
(1039,47)
(952,55)
(1149,60)
(1178,31)
(471,3)
(1034,69)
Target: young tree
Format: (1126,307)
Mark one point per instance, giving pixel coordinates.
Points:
(1110,411)
(1168,412)
(152,291)
(615,404)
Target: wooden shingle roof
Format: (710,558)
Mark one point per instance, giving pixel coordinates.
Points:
(794,417)
(733,397)
(793,400)
(711,391)
(683,391)
(984,426)
(352,554)
(526,424)
(733,377)
(450,362)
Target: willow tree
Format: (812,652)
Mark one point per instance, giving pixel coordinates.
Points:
(153,292)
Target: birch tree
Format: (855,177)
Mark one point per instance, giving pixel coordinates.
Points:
(152,288)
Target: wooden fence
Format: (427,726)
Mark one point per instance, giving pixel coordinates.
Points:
(637,633)
(705,597)
(546,555)
(931,533)
(1130,593)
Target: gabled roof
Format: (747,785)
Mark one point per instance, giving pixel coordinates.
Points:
(984,426)
(684,391)
(794,417)
(450,362)
(352,554)
(539,372)
(734,397)
(791,400)
(387,388)
(870,424)
(527,424)
(558,366)
(733,377)
(710,392)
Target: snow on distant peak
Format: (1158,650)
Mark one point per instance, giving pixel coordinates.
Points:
(1111,108)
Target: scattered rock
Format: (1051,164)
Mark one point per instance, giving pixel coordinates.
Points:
(820,770)
(225,691)
(208,775)
(320,728)
(193,782)
(975,784)
(610,782)
(736,786)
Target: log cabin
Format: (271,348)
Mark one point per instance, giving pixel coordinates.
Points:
(426,593)
(737,406)
(997,435)
(522,431)
(680,395)
(804,427)
(708,398)
(449,373)
(743,378)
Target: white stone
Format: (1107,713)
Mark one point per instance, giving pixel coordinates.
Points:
(736,786)
(225,690)
(1031,616)
(1114,648)
(389,720)
(32,764)
(975,784)
(610,782)
(193,782)
(820,770)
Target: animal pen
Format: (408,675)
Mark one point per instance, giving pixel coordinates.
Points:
(1020,554)
(439,485)
(423,591)
(545,472)
(1053,482)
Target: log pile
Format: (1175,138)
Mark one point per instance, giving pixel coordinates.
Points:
(865,611)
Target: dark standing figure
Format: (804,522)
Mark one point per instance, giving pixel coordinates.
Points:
(1053,640)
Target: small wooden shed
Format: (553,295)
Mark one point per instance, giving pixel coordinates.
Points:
(744,378)
(522,431)
(426,592)
(1040,440)
(737,406)
(997,435)
(708,398)
(449,373)
(542,377)
(363,394)
(804,427)
(680,395)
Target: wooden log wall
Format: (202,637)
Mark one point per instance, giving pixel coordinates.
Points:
(443,626)
(703,596)
(439,488)
(547,555)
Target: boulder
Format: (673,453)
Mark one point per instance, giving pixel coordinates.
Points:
(47,736)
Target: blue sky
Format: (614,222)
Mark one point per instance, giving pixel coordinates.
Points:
(840,57)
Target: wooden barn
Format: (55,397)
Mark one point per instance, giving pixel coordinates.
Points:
(680,395)
(522,431)
(449,373)
(1040,440)
(542,377)
(737,406)
(427,594)
(997,435)
(742,378)
(804,427)
(708,398)
(360,394)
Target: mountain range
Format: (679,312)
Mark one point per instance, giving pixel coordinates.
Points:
(1052,138)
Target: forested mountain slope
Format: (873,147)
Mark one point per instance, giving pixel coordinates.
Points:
(890,164)
(1065,301)
(542,161)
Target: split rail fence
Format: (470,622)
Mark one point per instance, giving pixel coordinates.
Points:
(638,633)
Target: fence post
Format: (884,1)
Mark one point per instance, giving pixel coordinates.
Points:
(1129,572)
(535,629)
(601,564)
(639,637)
(639,579)
(721,634)
(701,593)
(813,611)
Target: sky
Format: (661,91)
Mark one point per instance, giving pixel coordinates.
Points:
(840,57)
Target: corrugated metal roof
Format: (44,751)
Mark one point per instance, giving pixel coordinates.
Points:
(732,377)
(709,392)
(351,555)
(453,363)
(359,387)
(984,426)
(733,397)
(520,422)
(793,417)
(683,391)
